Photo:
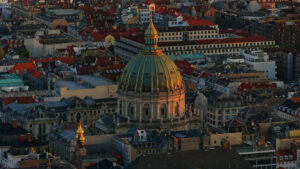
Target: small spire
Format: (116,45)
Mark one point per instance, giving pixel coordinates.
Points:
(151,35)
(79,134)
(151,21)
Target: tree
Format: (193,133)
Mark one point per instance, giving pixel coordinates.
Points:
(23,52)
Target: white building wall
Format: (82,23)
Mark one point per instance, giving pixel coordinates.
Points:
(268,68)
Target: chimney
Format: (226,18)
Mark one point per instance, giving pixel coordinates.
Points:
(15,123)
(22,137)
(29,137)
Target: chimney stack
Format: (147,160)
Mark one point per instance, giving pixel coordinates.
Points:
(29,137)
(15,123)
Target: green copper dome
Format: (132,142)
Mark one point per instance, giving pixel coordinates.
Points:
(151,70)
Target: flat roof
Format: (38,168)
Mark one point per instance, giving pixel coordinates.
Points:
(84,82)
(65,11)
(95,80)
(72,85)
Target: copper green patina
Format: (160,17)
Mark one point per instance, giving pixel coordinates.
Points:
(151,70)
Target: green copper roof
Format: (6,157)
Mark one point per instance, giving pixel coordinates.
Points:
(149,73)
(151,70)
(10,80)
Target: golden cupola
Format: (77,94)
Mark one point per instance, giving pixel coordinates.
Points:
(80,135)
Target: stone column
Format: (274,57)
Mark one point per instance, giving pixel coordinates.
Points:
(172,110)
(152,110)
(135,109)
(179,107)
(167,110)
(125,107)
(141,111)
(118,108)
(157,110)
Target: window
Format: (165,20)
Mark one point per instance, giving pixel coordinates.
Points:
(131,110)
(163,112)
(177,109)
(219,117)
(146,111)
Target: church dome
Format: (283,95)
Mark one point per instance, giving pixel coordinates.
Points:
(151,70)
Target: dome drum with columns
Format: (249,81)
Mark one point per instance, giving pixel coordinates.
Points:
(151,91)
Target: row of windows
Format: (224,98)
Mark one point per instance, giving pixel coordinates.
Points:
(191,32)
(216,45)
(91,112)
(177,38)
(146,110)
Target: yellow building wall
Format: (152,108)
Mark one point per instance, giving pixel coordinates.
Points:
(106,91)
(283,144)
(216,139)
(295,133)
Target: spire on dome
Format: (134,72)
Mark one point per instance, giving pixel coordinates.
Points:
(151,35)
(79,135)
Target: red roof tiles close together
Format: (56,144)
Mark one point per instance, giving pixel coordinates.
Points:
(21,67)
(20,100)
(67,60)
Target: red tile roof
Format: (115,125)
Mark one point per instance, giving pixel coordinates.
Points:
(295,99)
(204,75)
(37,74)
(200,22)
(97,36)
(20,100)
(183,64)
(20,67)
(67,60)
(245,87)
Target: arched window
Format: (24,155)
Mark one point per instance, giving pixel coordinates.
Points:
(78,116)
(177,109)
(146,111)
(163,111)
(131,110)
